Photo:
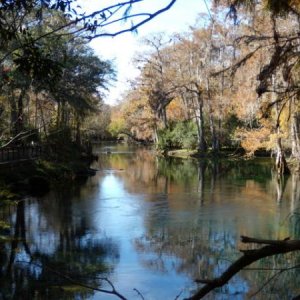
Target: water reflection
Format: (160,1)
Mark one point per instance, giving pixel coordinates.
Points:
(51,241)
(153,224)
(196,211)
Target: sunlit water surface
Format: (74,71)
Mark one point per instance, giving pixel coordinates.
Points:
(151,226)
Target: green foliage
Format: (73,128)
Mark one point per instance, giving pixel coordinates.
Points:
(117,127)
(180,171)
(231,124)
(6,195)
(182,135)
(34,63)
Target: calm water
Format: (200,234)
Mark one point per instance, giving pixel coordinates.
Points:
(153,225)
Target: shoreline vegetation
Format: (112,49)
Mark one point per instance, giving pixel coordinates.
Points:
(36,177)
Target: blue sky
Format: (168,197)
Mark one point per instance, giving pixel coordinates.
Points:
(122,48)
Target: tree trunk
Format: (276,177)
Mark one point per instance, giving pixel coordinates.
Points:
(20,117)
(162,115)
(58,113)
(200,125)
(155,134)
(295,195)
(186,106)
(214,137)
(42,116)
(295,133)
(78,133)
(13,116)
(281,164)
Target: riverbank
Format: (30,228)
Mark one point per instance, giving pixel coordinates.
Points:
(139,210)
(35,177)
(187,153)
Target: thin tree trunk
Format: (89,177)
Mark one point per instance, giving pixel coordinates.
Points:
(200,125)
(155,134)
(214,138)
(295,132)
(58,114)
(295,194)
(281,164)
(42,116)
(13,116)
(78,133)
(20,117)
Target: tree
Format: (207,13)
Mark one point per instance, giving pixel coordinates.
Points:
(156,76)
(273,247)
(91,25)
(28,31)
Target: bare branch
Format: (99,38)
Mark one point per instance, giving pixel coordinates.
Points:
(271,279)
(273,247)
(137,25)
(76,21)
(113,291)
(139,293)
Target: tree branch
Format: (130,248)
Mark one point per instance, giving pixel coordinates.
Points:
(273,247)
(137,25)
(113,291)
(101,14)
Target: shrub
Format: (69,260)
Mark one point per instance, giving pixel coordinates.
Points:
(180,135)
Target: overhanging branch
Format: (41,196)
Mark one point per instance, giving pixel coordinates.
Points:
(134,27)
(273,247)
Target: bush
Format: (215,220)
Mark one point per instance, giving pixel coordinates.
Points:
(180,135)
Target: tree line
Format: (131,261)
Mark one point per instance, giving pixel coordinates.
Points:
(52,84)
(229,81)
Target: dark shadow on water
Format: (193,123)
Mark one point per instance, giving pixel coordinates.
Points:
(49,244)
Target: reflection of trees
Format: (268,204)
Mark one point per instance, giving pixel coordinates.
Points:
(204,245)
(207,251)
(50,238)
(197,252)
(295,196)
(256,255)
(282,286)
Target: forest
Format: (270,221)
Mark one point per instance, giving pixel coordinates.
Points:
(227,87)
(229,82)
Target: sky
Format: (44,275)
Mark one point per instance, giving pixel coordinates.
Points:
(122,48)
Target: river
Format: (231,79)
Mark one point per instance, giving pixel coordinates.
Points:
(151,225)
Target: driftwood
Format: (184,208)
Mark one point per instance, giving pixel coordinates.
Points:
(273,247)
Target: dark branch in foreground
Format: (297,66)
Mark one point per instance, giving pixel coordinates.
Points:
(113,291)
(134,27)
(100,20)
(273,247)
